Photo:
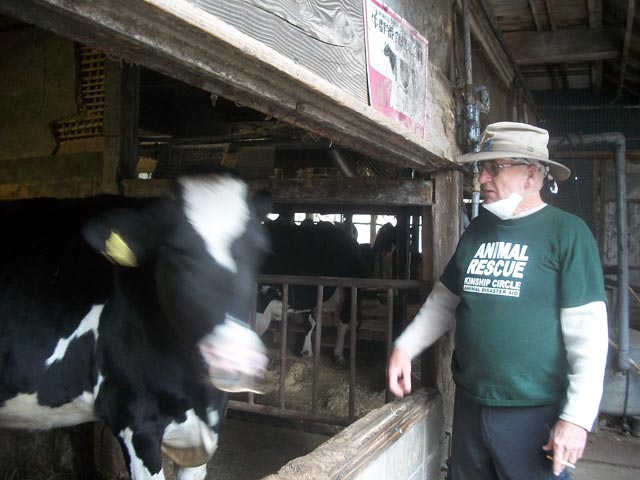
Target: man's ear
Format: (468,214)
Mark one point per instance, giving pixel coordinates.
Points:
(531,177)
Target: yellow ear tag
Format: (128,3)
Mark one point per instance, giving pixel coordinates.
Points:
(117,250)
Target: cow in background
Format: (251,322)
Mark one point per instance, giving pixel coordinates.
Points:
(319,250)
(384,253)
(143,342)
(386,264)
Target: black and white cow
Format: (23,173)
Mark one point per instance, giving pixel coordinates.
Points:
(309,249)
(138,342)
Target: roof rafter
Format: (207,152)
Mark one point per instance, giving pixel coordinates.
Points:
(595,23)
(562,46)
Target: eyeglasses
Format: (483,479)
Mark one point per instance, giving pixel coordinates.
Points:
(493,168)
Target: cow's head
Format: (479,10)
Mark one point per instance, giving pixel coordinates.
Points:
(201,247)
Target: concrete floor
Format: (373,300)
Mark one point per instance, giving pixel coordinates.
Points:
(610,455)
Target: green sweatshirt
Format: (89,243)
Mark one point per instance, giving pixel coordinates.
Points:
(513,277)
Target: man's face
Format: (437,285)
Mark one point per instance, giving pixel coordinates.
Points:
(501,177)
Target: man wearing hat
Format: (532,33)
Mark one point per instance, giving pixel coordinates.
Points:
(526,291)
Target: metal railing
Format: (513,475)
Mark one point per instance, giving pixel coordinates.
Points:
(355,284)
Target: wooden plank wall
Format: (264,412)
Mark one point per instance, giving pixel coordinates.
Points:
(327,37)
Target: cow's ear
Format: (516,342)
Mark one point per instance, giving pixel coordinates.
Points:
(262,203)
(125,237)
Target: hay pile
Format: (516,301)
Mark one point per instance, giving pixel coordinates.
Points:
(333,396)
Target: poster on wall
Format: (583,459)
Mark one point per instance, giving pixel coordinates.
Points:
(396,66)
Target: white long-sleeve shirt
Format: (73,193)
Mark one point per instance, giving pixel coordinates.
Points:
(584,331)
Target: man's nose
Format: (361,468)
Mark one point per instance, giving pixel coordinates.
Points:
(484,177)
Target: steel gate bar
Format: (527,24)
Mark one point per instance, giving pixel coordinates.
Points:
(354,284)
(316,353)
(283,346)
(352,352)
(387,393)
(252,322)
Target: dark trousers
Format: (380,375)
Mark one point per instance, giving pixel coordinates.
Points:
(501,443)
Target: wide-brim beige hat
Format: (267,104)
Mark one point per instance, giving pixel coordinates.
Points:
(516,140)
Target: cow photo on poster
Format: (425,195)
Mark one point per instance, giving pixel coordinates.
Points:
(396,67)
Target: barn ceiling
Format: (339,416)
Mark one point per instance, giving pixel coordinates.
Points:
(561,45)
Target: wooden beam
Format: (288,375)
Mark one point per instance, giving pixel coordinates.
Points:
(596,76)
(628,86)
(280,134)
(177,38)
(550,70)
(595,14)
(562,46)
(357,447)
(489,44)
(534,15)
(129,116)
(631,12)
(348,191)
(560,68)
(485,28)
(547,8)
(595,23)
(315,192)
(73,175)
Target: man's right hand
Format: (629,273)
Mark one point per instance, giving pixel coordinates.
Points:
(399,373)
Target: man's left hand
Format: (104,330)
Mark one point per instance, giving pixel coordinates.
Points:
(567,441)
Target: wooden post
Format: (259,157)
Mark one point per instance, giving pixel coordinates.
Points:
(129,113)
(402,256)
(373,230)
(446,232)
(121,118)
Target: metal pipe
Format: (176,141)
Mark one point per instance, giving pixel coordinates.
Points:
(466,41)
(475,193)
(618,141)
(338,157)
(472,114)
(470,107)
